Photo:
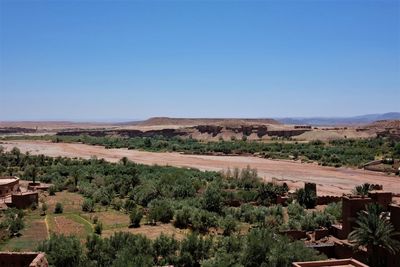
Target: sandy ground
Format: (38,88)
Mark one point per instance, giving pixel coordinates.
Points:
(332,181)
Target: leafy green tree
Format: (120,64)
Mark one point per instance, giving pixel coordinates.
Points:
(62,251)
(374,231)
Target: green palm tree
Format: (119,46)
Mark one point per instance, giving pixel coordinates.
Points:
(362,190)
(375,232)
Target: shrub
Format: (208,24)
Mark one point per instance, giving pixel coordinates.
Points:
(58,208)
(98,228)
(202,220)
(135,217)
(182,218)
(116,204)
(334,209)
(212,198)
(44,209)
(88,205)
(295,210)
(160,210)
(164,248)
(306,198)
(13,221)
(52,190)
(34,206)
(308,222)
(362,190)
(194,248)
(129,205)
(229,225)
(324,219)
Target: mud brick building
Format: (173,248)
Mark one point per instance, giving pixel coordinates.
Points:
(8,185)
(23,259)
(330,263)
(12,195)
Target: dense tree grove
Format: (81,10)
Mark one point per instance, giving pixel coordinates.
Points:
(261,247)
(343,152)
(205,203)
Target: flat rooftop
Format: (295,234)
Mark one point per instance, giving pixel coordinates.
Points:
(330,263)
(7,179)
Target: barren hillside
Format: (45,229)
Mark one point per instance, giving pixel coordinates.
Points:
(205,121)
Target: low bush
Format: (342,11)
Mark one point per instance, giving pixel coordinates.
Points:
(58,208)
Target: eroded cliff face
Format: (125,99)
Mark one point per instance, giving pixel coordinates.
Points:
(199,131)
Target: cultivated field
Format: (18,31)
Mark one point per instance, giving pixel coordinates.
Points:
(332,181)
(73,221)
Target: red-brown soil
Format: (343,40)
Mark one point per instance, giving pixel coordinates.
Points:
(332,181)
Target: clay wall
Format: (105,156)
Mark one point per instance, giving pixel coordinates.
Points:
(394,260)
(24,200)
(295,234)
(351,206)
(325,200)
(382,198)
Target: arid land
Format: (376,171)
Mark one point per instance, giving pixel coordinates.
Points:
(330,181)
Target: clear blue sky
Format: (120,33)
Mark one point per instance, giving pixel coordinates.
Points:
(107,60)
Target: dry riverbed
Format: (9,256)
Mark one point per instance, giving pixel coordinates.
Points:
(332,181)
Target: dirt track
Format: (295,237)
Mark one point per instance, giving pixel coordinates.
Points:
(329,180)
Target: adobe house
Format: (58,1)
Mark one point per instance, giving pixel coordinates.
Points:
(8,185)
(394,260)
(330,263)
(12,195)
(23,259)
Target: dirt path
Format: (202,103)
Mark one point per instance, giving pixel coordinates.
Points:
(329,180)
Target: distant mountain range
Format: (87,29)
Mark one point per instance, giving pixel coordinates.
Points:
(363,119)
